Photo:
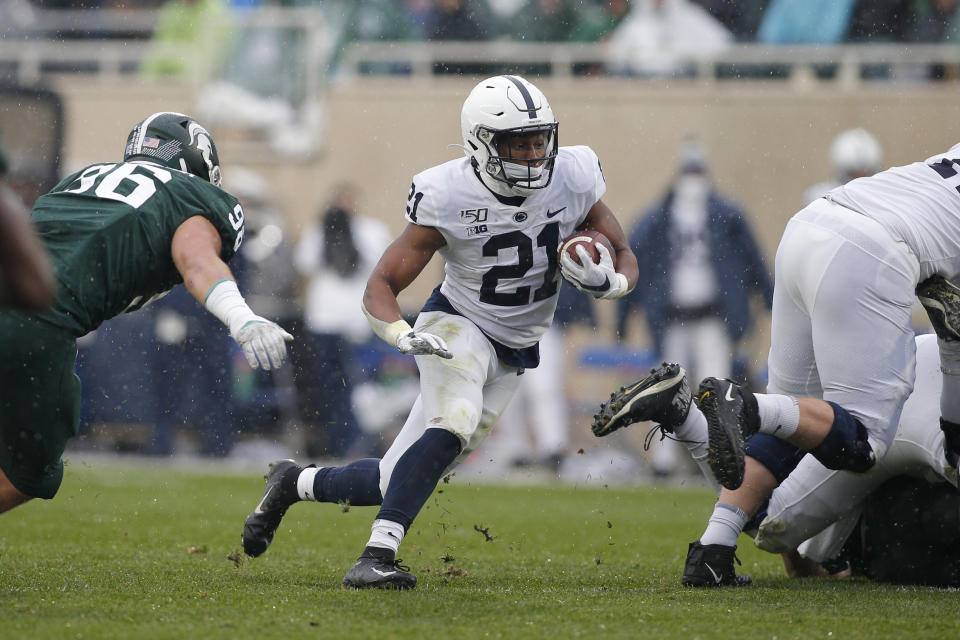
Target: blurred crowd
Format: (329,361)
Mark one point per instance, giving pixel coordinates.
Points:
(764,21)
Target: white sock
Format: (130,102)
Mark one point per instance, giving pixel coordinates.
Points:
(779,414)
(305,483)
(386,534)
(950,368)
(724,526)
(694,433)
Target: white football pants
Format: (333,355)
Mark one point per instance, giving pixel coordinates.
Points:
(464,395)
(841,320)
(821,504)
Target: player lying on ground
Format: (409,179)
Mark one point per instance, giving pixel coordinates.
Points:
(811,513)
(497,218)
(120,234)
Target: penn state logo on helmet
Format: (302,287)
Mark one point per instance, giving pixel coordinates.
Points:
(510,134)
(176,141)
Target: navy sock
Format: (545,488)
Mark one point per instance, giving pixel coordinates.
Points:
(357,483)
(416,475)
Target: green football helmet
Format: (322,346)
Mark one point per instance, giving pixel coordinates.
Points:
(177,141)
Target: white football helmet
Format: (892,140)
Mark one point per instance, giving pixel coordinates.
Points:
(501,108)
(855,153)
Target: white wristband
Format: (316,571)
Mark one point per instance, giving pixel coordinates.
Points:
(389,332)
(224,301)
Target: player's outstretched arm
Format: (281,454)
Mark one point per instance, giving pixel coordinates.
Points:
(400,264)
(196,253)
(26,274)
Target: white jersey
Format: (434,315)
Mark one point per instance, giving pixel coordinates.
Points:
(502,270)
(918,203)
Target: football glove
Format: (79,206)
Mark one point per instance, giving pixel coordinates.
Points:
(599,280)
(263,343)
(423,344)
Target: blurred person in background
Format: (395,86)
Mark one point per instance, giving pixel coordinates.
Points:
(26,274)
(742,17)
(663,38)
(805,22)
(462,21)
(190,40)
(120,234)
(699,267)
(336,254)
(534,429)
(854,153)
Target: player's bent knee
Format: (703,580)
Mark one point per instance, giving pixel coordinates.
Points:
(778,456)
(845,448)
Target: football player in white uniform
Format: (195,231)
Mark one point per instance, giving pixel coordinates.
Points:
(497,217)
(812,512)
(842,355)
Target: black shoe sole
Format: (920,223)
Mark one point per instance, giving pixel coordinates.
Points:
(725,448)
(621,401)
(943,308)
(258,531)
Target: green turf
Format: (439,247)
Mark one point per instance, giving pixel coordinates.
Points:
(147,552)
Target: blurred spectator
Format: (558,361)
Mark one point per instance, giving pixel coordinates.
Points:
(664,38)
(699,265)
(462,21)
(741,17)
(936,21)
(376,21)
(534,430)
(192,370)
(882,21)
(336,254)
(805,22)
(546,20)
(854,153)
(598,20)
(190,40)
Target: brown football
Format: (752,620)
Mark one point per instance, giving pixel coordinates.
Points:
(588,239)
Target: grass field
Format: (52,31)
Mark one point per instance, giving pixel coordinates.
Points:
(128,551)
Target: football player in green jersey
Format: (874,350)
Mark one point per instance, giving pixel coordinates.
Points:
(26,275)
(119,235)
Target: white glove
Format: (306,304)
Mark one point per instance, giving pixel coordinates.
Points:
(599,280)
(263,343)
(423,344)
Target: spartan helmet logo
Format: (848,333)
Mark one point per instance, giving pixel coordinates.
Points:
(200,138)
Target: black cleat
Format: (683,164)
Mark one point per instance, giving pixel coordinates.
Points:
(377,568)
(941,299)
(732,417)
(262,523)
(712,566)
(662,397)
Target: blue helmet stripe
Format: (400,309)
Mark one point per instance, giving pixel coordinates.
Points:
(527,98)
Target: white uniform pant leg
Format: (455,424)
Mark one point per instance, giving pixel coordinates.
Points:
(842,316)
(817,503)
(463,395)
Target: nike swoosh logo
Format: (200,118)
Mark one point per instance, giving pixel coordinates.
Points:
(716,578)
(729,396)
(258,510)
(550,214)
(382,573)
(602,287)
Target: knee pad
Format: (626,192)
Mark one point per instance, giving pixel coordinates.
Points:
(846,447)
(778,456)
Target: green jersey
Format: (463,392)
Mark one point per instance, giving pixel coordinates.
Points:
(109,229)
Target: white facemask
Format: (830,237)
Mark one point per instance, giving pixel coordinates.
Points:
(691,189)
